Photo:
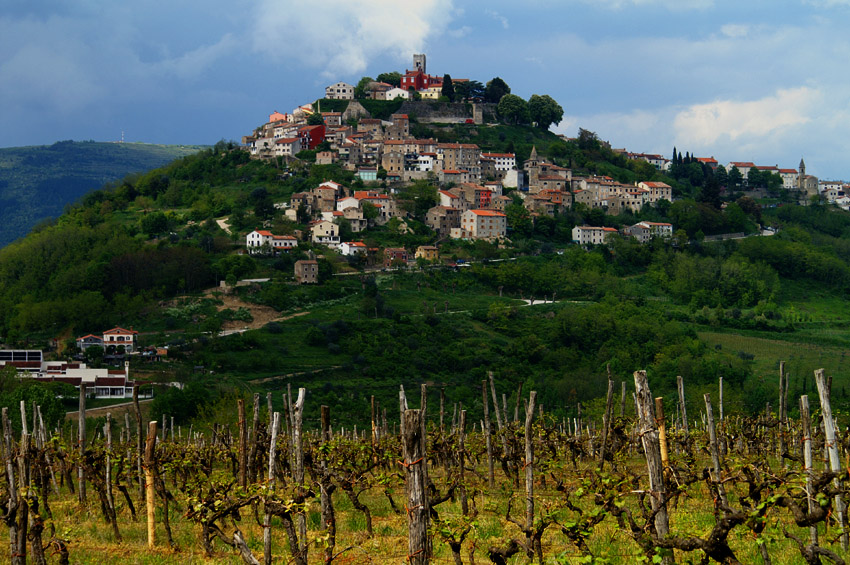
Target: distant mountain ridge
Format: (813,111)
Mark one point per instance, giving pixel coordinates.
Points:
(37,182)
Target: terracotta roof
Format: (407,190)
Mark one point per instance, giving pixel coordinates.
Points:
(118,330)
(487,213)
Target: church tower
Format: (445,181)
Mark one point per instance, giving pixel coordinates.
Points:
(801,176)
(532,171)
(419,62)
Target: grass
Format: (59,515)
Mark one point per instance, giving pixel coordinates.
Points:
(800,357)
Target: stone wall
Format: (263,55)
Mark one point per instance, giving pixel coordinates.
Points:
(429,111)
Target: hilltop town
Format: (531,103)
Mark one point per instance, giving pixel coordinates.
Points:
(474,185)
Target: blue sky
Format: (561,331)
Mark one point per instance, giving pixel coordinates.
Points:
(741,81)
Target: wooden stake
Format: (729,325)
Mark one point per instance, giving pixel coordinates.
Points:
(150,445)
(832,447)
(243,441)
(416,488)
(806,440)
(81,474)
(648,433)
(606,420)
(267,532)
(680,384)
(662,431)
(488,436)
(715,453)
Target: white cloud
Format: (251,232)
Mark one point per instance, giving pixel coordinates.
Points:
(345,35)
(672,5)
(498,17)
(460,32)
(827,3)
(194,63)
(705,124)
(735,30)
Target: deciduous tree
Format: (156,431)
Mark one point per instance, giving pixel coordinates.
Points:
(513,109)
(495,90)
(544,111)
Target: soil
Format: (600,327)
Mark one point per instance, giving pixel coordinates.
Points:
(262,314)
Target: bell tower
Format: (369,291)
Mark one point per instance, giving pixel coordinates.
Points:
(419,62)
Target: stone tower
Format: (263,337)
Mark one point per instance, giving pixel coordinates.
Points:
(532,170)
(419,62)
(801,176)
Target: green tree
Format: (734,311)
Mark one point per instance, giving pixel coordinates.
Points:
(94,355)
(360,91)
(370,211)
(448,89)
(315,119)
(519,219)
(154,223)
(588,140)
(544,111)
(264,208)
(721,175)
(735,177)
(468,90)
(755,178)
(393,78)
(495,90)
(513,109)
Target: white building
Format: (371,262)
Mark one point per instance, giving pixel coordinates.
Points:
(502,161)
(259,241)
(481,224)
(657,191)
(394,93)
(591,235)
(325,233)
(340,91)
(100,383)
(287,146)
(789,178)
(644,231)
(349,248)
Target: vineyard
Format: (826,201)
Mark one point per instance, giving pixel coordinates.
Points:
(436,484)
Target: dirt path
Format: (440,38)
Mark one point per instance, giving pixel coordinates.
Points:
(116,409)
(262,314)
(222,223)
(290,375)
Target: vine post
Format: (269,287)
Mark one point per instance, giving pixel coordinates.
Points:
(417,501)
(680,385)
(488,435)
(715,452)
(662,431)
(81,473)
(806,440)
(832,446)
(648,433)
(150,445)
(267,532)
(606,419)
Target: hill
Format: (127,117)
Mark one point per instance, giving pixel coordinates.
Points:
(38,182)
(150,251)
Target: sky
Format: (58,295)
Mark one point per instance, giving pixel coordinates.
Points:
(753,80)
